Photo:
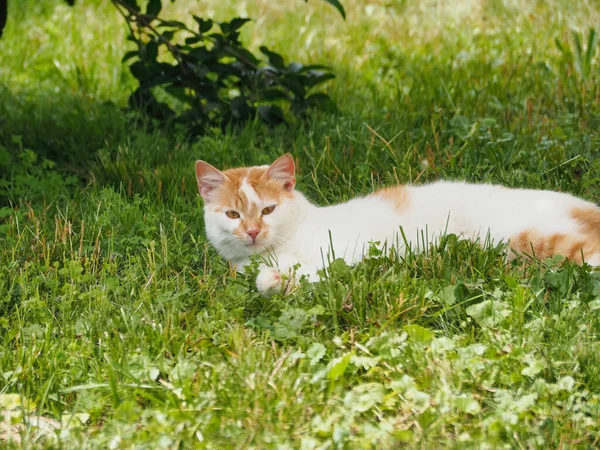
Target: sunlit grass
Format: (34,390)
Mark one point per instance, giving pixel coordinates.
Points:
(121,327)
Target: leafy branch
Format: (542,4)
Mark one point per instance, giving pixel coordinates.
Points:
(205,75)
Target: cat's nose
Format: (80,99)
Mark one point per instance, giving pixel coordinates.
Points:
(253,233)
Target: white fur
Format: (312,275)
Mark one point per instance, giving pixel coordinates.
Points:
(249,192)
(219,230)
(303,232)
(268,281)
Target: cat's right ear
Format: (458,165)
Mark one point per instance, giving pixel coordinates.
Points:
(284,170)
(208,178)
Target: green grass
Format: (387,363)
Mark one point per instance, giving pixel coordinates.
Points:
(121,327)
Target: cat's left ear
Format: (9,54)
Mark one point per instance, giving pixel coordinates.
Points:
(208,178)
(283,169)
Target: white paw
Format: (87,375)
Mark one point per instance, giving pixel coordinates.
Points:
(269,282)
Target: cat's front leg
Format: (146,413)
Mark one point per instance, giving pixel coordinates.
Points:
(270,281)
(284,279)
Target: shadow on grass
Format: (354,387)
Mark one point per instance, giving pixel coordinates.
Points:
(420,117)
(68,130)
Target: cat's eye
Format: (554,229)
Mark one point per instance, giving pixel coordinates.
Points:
(233,214)
(268,210)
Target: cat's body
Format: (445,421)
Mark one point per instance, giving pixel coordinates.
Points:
(296,231)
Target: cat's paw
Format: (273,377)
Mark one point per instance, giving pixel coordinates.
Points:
(269,282)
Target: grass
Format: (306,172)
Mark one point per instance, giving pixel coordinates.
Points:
(121,327)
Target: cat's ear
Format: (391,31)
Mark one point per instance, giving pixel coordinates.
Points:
(208,178)
(283,169)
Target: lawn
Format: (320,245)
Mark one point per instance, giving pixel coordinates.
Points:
(120,327)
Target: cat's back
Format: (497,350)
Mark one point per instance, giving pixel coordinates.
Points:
(496,207)
(359,213)
(493,196)
(349,226)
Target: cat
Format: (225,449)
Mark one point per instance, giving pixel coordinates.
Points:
(257,210)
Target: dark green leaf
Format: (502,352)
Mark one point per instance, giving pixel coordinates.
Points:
(172,23)
(168,35)
(193,40)
(153,8)
(272,94)
(224,27)
(299,68)
(240,109)
(214,105)
(204,25)
(319,99)
(275,59)
(338,6)
(311,67)
(271,114)
(3,15)
(319,79)
(180,93)
(139,71)
(201,54)
(130,55)
(244,56)
(143,99)
(150,51)
(132,4)
(295,83)
(237,23)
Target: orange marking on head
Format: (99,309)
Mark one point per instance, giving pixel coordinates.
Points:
(232,190)
(258,179)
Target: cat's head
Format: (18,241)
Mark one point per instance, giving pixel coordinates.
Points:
(247,209)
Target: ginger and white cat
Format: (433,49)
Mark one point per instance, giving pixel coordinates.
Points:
(256,210)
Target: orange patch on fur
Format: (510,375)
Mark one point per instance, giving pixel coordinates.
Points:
(396,195)
(589,221)
(534,243)
(586,242)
